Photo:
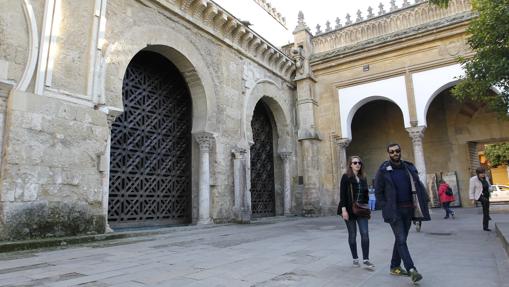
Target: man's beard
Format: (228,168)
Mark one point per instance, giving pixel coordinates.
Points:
(394,160)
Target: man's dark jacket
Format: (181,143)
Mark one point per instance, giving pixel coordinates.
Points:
(386,194)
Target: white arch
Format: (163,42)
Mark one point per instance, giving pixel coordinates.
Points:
(430,83)
(180,51)
(352,98)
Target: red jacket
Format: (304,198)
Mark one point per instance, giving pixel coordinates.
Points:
(441,193)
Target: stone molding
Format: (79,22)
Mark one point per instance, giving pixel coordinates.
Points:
(396,21)
(416,133)
(204,139)
(285,155)
(227,28)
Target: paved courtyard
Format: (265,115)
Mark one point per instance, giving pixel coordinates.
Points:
(272,252)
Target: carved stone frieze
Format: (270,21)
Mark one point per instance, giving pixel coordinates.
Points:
(408,17)
(228,28)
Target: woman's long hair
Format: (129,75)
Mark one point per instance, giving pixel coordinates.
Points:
(349,170)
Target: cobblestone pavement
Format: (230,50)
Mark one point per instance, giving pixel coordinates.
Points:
(272,252)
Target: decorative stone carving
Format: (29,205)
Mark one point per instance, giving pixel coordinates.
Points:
(298,57)
(393,6)
(327,26)
(301,25)
(318,31)
(359,16)
(399,21)
(381,10)
(370,13)
(338,23)
(348,19)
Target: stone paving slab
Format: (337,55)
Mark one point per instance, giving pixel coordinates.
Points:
(276,252)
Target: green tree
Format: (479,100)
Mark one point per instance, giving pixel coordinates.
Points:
(497,154)
(489,67)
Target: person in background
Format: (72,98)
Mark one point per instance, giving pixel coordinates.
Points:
(372,198)
(446,197)
(354,187)
(479,190)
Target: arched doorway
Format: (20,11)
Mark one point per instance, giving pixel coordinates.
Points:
(262,163)
(150,158)
(374,126)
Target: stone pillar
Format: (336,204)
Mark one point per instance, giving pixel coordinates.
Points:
(417,133)
(287,193)
(307,104)
(242,214)
(204,139)
(342,144)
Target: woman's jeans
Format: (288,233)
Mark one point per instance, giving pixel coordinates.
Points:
(400,228)
(351,225)
(447,208)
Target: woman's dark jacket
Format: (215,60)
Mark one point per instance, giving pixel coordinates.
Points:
(345,196)
(386,195)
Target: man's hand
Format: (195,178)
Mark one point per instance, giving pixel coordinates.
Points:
(473,202)
(344,214)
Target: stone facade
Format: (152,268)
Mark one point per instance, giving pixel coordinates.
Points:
(62,67)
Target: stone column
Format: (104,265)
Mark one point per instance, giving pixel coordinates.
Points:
(342,144)
(239,183)
(204,139)
(417,133)
(287,193)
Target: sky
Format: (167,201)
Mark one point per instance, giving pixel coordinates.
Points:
(315,12)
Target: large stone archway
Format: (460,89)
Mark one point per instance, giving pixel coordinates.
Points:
(454,129)
(150,157)
(374,125)
(191,64)
(181,52)
(276,102)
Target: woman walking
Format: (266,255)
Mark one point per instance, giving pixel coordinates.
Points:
(446,197)
(354,188)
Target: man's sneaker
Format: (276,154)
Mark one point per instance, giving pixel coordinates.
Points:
(356,263)
(368,265)
(414,275)
(397,271)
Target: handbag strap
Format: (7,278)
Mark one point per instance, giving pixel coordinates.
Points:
(358,194)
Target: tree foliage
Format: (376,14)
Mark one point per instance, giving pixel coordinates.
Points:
(488,69)
(497,154)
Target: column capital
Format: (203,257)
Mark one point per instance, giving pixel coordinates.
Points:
(343,142)
(285,155)
(416,133)
(204,139)
(239,152)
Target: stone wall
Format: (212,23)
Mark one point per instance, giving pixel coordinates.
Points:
(55,141)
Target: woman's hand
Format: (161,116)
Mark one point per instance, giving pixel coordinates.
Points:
(344,214)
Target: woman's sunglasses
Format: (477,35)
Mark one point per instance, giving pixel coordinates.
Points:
(356,162)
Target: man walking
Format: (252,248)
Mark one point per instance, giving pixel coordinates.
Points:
(402,198)
(479,190)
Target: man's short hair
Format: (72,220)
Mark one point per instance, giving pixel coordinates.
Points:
(391,145)
(480,170)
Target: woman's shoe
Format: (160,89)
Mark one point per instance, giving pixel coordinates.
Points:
(368,265)
(356,263)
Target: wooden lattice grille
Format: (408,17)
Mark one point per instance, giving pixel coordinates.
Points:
(150,165)
(262,164)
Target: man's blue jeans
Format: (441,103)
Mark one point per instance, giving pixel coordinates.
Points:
(400,229)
